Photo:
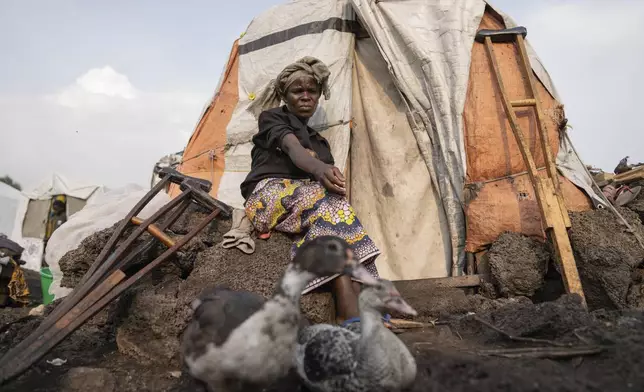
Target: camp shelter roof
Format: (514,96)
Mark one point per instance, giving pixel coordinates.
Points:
(57,184)
(413,117)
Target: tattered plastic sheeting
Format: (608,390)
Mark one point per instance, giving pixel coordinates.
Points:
(427,45)
(571,166)
(390,186)
(101,212)
(278,37)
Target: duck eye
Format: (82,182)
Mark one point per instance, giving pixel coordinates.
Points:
(333,247)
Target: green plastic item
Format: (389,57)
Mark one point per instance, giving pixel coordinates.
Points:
(46,278)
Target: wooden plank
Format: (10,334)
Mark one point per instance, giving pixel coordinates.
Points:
(420,285)
(543,134)
(519,103)
(471,263)
(630,176)
(558,235)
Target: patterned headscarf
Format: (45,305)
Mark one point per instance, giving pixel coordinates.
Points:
(276,89)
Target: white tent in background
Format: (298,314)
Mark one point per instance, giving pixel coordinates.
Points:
(13,205)
(32,219)
(11,202)
(40,199)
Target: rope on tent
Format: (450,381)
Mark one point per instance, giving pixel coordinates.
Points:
(211,152)
(212,157)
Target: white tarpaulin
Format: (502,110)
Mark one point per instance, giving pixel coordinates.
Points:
(13,206)
(390,185)
(101,212)
(59,185)
(11,201)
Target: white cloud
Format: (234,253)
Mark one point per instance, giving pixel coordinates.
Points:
(99,129)
(96,89)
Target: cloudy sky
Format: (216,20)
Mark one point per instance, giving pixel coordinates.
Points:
(99,91)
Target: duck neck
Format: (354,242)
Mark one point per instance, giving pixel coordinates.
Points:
(370,323)
(293,282)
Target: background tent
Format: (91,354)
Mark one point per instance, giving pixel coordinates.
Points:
(35,219)
(13,205)
(414,118)
(11,201)
(32,216)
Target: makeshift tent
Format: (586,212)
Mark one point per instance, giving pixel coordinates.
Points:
(40,198)
(434,167)
(11,200)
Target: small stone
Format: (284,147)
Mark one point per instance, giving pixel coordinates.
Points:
(175,374)
(57,362)
(37,311)
(82,379)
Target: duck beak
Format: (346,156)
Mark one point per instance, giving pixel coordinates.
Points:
(401,306)
(354,269)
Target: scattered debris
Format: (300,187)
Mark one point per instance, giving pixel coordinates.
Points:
(37,311)
(57,362)
(542,352)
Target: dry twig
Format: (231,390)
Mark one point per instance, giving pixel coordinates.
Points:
(542,352)
(519,338)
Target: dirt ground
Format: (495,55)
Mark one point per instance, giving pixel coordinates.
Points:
(133,344)
(450,356)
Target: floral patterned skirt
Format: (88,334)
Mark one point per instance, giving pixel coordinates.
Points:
(307,210)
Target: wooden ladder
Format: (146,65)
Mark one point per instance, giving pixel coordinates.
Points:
(554,214)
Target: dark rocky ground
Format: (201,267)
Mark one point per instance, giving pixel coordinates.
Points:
(132,345)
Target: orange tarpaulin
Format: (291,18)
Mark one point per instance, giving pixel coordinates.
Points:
(204,154)
(502,198)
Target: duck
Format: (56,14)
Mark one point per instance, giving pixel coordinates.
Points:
(332,358)
(237,340)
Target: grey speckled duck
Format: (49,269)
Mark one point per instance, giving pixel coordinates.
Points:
(239,341)
(333,358)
